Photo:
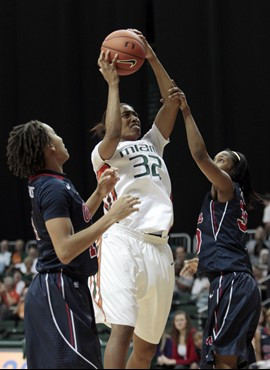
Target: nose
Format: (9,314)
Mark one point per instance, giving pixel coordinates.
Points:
(135,118)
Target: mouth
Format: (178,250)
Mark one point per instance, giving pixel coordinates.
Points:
(136,125)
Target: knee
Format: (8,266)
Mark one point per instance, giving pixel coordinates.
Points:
(122,333)
(145,354)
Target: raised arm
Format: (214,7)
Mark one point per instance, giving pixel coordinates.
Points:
(113,119)
(167,114)
(219,178)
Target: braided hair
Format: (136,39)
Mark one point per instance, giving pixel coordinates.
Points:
(25,149)
(241,174)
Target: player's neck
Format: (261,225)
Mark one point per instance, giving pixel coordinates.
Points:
(54,166)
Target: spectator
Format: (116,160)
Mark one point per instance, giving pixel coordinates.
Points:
(180,256)
(198,340)
(200,291)
(266,214)
(263,261)
(257,272)
(19,254)
(164,352)
(33,253)
(20,308)
(3,307)
(26,269)
(263,340)
(182,284)
(18,281)
(257,338)
(9,296)
(255,245)
(183,348)
(5,256)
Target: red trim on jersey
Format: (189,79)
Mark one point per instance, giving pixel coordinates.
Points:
(32,178)
(102,169)
(97,277)
(72,342)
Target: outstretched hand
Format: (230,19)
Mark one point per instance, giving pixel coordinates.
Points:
(108,68)
(124,206)
(190,268)
(107,181)
(175,94)
(149,52)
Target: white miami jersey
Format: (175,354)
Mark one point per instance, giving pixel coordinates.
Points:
(143,174)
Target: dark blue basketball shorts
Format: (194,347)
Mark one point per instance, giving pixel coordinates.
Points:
(234,307)
(60,327)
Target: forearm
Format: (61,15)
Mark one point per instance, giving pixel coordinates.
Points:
(195,141)
(77,243)
(163,79)
(94,202)
(113,113)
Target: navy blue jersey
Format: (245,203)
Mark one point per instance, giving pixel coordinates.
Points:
(54,196)
(221,235)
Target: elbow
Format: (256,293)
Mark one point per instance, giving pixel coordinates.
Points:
(200,155)
(64,260)
(64,257)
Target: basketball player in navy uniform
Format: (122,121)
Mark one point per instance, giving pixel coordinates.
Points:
(59,319)
(234,299)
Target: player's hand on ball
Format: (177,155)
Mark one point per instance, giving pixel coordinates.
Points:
(123,207)
(107,181)
(149,52)
(107,68)
(190,267)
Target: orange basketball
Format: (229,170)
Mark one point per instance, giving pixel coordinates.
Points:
(130,49)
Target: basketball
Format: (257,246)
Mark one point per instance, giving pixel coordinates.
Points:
(130,49)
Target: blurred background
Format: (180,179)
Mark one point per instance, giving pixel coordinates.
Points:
(216,51)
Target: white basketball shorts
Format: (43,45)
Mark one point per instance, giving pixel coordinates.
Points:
(135,282)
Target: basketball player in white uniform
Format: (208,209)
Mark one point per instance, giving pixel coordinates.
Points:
(133,290)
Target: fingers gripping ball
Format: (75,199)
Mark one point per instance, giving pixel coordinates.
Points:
(130,49)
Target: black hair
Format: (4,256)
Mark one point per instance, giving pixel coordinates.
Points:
(25,149)
(240,173)
(99,129)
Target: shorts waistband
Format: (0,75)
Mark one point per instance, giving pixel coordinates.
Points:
(212,275)
(148,238)
(82,279)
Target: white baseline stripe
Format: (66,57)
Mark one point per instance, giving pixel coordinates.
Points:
(58,329)
(74,331)
(226,314)
(63,289)
(71,313)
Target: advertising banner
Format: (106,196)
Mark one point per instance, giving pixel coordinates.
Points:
(10,359)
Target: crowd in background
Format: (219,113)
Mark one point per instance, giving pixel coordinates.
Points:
(17,270)
(181,343)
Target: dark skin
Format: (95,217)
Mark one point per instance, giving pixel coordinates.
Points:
(217,171)
(68,245)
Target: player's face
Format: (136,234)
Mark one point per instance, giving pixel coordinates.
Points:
(61,153)
(131,124)
(180,322)
(224,161)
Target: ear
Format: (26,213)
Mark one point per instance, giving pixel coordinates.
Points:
(49,149)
